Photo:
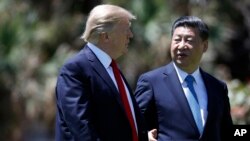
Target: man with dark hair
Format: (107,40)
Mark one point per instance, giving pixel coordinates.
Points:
(180,101)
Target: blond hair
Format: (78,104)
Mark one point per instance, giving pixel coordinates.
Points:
(102,18)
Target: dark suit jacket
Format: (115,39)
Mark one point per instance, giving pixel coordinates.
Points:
(165,107)
(89,105)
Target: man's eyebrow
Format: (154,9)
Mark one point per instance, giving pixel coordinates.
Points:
(185,35)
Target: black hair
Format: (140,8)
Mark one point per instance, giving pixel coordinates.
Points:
(192,21)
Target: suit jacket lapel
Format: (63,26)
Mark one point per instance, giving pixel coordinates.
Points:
(135,105)
(136,108)
(101,71)
(173,83)
(211,97)
(138,116)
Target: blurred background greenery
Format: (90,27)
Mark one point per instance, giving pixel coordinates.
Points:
(36,36)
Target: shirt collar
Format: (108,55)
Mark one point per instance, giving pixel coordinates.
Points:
(182,74)
(103,57)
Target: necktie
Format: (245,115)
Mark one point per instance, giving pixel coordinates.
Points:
(193,102)
(124,99)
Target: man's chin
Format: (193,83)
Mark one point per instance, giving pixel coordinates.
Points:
(125,51)
(180,64)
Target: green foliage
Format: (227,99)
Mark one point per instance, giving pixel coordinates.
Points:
(8,37)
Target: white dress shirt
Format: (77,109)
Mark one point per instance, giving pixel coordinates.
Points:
(199,87)
(106,60)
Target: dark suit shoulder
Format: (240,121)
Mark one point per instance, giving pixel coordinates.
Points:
(212,79)
(163,70)
(155,72)
(78,61)
(76,58)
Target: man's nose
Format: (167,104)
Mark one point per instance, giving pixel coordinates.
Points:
(182,44)
(130,34)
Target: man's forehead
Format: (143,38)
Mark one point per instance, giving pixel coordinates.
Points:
(188,31)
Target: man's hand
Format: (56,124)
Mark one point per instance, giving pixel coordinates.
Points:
(152,135)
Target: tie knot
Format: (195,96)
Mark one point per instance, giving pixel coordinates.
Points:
(113,64)
(189,79)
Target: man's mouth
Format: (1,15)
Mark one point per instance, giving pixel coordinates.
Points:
(181,55)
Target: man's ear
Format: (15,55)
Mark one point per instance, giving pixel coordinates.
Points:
(104,36)
(205,45)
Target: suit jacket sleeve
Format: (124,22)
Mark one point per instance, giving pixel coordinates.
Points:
(226,124)
(145,99)
(73,104)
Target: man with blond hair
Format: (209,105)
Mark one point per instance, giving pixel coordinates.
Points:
(94,100)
